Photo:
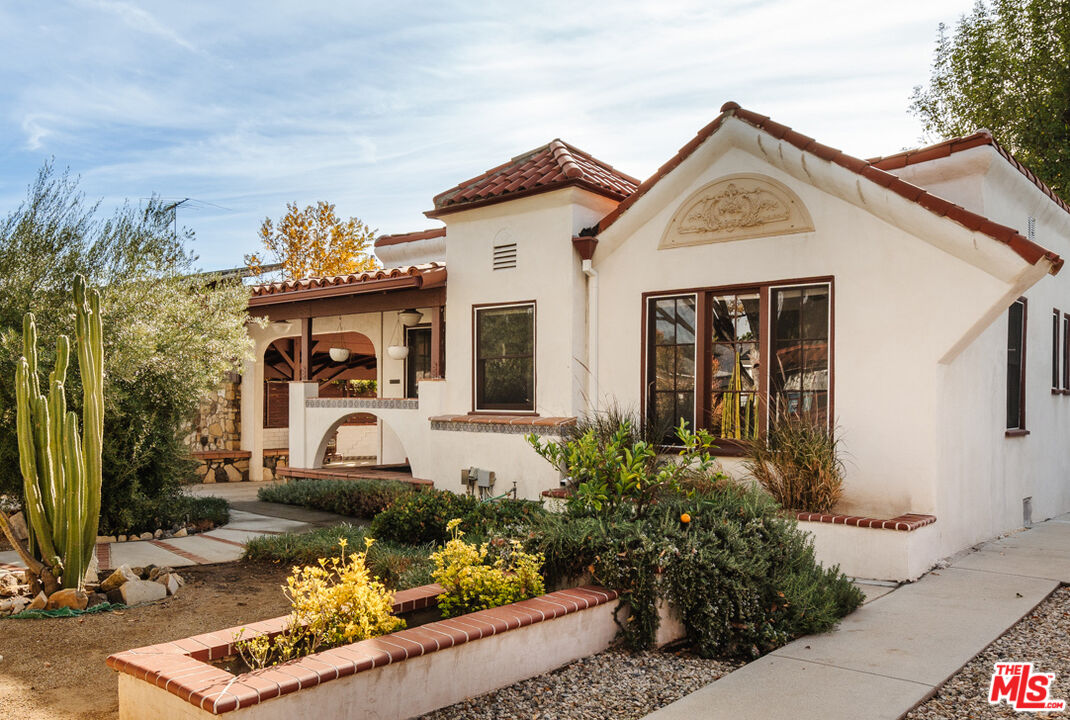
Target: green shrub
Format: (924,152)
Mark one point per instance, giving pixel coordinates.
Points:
(355,498)
(471,582)
(422,517)
(607,467)
(743,578)
(142,514)
(799,464)
(398,566)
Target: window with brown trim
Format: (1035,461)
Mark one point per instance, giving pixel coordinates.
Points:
(1016,324)
(418,362)
(505,357)
(1066,352)
(671,359)
(1056,349)
(705,350)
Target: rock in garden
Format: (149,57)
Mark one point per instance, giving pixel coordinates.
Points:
(70,598)
(18,526)
(136,592)
(96,598)
(145,573)
(39,602)
(91,572)
(146,536)
(181,533)
(118,578)
(106,539)
(158,534)
(9,585)
(13,605)
(156,572)
(171,581)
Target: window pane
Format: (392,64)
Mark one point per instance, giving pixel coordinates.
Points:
(685,409)
(787,317)
(747,317)
(1015,325)
(722,364)
(815,313)
(665,322)
(508,381)
(685,320)
(748,365)
(723,319)
(685,367)
(664,367)
(506,331)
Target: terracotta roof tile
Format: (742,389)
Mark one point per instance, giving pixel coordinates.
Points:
(872,170)
(383,240)
(426,272)
(958,144)
(554,165)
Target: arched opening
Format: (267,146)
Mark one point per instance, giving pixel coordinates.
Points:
(354,442)
(353,377)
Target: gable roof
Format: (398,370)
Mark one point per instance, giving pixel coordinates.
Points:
(1023,246)
(384,240)
(958,144)
(550,167)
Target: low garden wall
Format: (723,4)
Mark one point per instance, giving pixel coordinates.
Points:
(901,548)
(394,676)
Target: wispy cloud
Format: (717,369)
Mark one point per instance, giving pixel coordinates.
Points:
(251,104)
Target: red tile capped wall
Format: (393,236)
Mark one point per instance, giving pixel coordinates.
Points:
(907,522)
(180,667)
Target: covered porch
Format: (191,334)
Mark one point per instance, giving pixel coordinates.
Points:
(348,352)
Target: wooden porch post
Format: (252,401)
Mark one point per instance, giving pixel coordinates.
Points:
(305,374)
(438,346)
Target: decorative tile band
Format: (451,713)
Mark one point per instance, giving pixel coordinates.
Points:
(182,667)
(368,403)
(507,424)
(907,522)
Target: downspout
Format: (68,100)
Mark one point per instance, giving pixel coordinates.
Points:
(592,333)
(585,245)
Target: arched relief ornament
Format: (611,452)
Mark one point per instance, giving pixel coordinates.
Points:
(737,207)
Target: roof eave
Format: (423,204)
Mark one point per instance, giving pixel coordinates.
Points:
(484,202)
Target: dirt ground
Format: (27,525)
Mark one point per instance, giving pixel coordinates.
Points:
(53,669)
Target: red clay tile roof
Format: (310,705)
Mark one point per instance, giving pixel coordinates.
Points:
(383,240)
(1026,248)
(954,145)
(554,165)
(427,275)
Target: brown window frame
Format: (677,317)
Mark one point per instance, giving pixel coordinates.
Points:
(1066,354)
(1056,351)
(505,408)
(703,347)
(412,384)
(1020,429)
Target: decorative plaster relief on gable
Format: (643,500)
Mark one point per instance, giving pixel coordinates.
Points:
(737,207)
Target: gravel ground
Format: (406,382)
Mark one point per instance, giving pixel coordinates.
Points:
(617,684)
(1042,637)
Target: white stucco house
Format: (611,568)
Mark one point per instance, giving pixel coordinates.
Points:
(913,300)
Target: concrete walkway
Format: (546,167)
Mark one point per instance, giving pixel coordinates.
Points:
(894,651)
(249,518)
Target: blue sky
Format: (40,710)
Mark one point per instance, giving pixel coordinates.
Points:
(244,106)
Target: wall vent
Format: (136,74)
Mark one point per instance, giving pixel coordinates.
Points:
(505,256)
(1031,223)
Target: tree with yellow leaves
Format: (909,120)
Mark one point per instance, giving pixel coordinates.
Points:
(315,242)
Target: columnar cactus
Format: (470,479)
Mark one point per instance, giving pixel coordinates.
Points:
(61,469)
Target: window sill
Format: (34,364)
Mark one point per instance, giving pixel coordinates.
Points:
(511,413)
(1016,433)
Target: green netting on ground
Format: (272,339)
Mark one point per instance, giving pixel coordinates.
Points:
(65,612)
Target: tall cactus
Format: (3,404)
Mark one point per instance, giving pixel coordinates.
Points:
(61,469)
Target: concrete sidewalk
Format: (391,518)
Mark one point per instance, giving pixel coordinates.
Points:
(249,518)
(894,651)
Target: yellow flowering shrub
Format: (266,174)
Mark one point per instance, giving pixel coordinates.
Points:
(335,603)
(472,583)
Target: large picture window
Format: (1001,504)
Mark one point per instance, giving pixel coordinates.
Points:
(729,360)
(1016,318)
(505,357)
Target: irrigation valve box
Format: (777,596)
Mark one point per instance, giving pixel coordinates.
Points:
(477,478)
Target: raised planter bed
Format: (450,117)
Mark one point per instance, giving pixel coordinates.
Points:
(900,548)
(395,676)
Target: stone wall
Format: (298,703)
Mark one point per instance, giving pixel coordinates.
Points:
(217,425)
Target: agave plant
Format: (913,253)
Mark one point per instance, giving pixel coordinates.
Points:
(60,463)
